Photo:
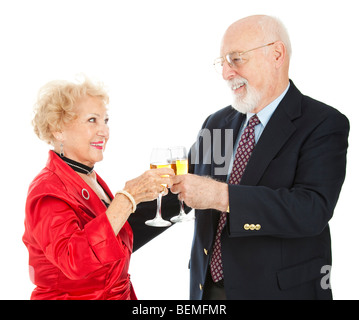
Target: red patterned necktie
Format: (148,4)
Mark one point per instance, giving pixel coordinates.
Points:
(244,151)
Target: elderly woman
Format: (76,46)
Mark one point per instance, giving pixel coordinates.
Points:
(76,230)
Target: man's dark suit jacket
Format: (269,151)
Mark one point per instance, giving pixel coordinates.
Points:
(288,191)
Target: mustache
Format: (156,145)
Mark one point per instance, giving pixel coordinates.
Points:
(237,82)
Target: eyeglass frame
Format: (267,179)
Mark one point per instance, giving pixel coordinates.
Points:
(231,64)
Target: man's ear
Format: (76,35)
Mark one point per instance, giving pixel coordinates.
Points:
(280,53)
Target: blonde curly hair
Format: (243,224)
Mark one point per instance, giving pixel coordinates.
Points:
(55,105)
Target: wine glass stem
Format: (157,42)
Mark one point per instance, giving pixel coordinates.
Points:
(159,205)
(182,212)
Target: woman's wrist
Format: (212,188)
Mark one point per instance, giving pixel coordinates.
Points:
(129,197)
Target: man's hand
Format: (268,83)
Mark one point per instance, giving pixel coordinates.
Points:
(201,192)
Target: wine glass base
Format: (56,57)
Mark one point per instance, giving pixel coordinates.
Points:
(182,218)
(158,222)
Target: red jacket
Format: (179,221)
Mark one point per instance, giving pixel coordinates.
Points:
(73,251)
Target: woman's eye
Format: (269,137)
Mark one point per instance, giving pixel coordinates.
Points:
(106,120)
(93,120)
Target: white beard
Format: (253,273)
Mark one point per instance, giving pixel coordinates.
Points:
(251,99)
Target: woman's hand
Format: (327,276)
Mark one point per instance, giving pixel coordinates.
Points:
(147,186)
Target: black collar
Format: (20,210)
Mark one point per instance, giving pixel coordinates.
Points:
(77,166)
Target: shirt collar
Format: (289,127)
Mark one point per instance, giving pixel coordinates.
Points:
(265,114)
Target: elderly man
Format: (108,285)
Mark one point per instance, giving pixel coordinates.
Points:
(261,229)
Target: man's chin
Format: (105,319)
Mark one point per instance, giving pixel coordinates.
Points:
(243,107)
(246,103)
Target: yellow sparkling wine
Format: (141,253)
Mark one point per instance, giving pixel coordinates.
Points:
(158,166)
(181,166)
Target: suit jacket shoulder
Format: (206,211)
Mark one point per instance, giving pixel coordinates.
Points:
(321,111)
(220,117)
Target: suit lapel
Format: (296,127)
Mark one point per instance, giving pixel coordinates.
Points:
(232,123)
(224,140)
(278,130)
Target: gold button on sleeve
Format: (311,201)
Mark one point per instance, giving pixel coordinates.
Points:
(246,226)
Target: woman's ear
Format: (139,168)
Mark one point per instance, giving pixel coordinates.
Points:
(58,135)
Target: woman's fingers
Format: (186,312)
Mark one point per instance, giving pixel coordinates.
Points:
(163,176)
(151,183)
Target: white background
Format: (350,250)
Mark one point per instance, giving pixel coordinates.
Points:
(156,59)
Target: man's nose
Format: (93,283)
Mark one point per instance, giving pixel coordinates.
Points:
(228,72)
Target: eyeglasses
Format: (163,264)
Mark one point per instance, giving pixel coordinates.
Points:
(234,59)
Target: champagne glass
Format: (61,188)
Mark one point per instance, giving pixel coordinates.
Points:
(179,158)
(160,158)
